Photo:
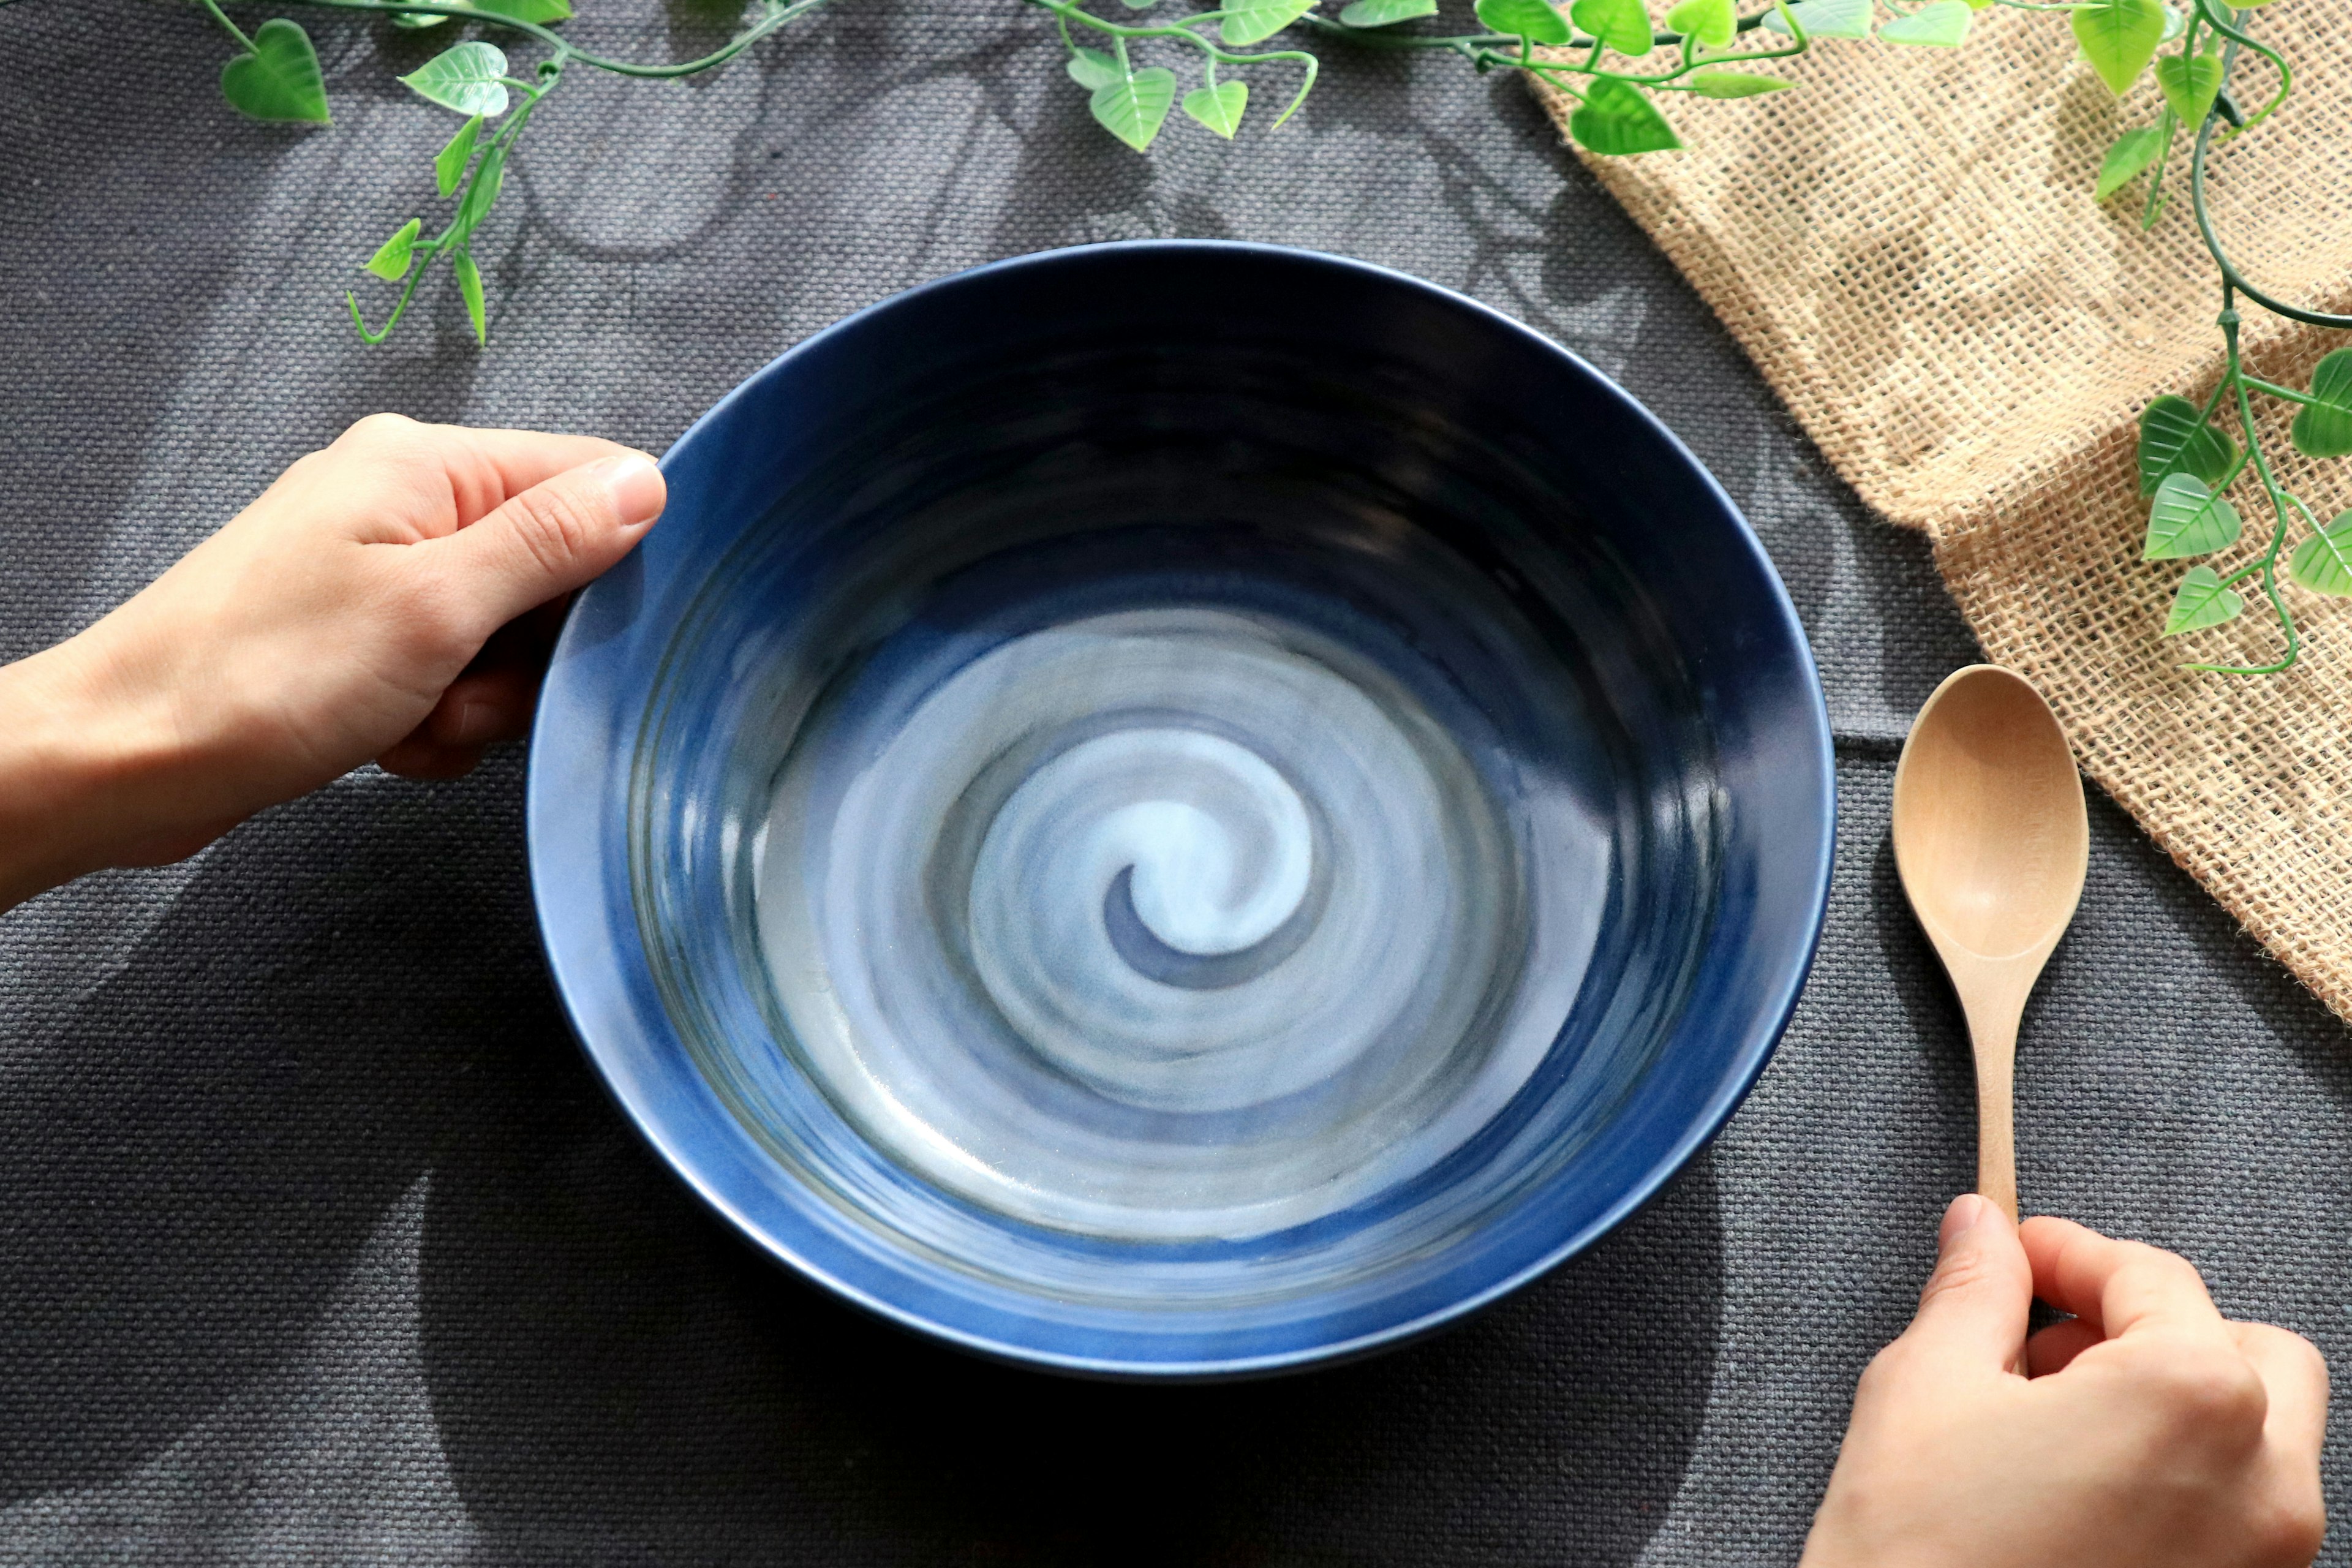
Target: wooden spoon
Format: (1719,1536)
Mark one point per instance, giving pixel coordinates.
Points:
(1992,844)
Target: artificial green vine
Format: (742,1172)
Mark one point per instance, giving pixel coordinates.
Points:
(1604,55)
(2186,465)
(278,78)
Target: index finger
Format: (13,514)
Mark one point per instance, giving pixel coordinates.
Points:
(2113,1285)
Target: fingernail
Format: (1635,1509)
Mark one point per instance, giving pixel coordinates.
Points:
(635,485)
(1968,1211)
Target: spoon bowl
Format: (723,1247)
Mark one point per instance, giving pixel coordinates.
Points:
(1992,843)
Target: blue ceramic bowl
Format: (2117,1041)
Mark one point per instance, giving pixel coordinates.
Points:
(1181,809)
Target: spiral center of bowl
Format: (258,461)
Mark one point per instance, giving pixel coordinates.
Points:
(1212,848)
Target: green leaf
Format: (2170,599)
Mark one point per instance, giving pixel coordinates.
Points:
(2189,520)
(2133,151)
(1133,107)
(539,11)
(280,79)
(2175,440)
(1385,13)
(2189,83)
(1714,22)
(489,179)
(1091,69)
(464,77)
(1616,120)
(1249,21)
(413,20)
(469,284)
(1530,19)
(449,167)
(1219,107)
(1942,26)
(391,259)
(1827,18)
(2324,429)
(2118,38)
(2323,563)
(1621,24)
(1734,84)
(2200,602)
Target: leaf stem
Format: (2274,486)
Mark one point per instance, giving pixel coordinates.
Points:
(234,30)
(2155,207)
(2290,394)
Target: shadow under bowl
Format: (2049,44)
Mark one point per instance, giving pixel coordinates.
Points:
(1181,808)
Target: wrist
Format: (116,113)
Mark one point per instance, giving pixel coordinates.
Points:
(87,774)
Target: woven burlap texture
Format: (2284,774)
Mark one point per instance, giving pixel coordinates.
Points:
(1907,246)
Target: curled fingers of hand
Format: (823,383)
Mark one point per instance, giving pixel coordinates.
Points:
(490,703)
(418,757)
(484,708)
(2053,1349)
(2115,1286)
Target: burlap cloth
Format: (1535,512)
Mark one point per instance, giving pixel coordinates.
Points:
(1907,246)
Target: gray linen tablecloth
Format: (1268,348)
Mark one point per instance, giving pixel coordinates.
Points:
(319,1242)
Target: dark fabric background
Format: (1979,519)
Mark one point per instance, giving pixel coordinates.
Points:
(318,1243)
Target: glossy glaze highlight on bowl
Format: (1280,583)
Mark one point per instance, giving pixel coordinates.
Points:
(1181,808)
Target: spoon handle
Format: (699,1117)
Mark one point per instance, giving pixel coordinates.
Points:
(1994,1039)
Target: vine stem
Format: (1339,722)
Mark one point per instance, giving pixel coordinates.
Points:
(1388,38)
(2268,563)
(1516,52)
(2231,276)
(777,15)
(1487,50)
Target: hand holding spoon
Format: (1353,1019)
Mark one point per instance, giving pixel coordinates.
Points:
(1992,844)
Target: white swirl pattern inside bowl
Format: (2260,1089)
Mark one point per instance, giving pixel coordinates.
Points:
(1174,923)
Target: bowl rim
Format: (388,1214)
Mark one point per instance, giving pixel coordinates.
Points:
(563,917)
